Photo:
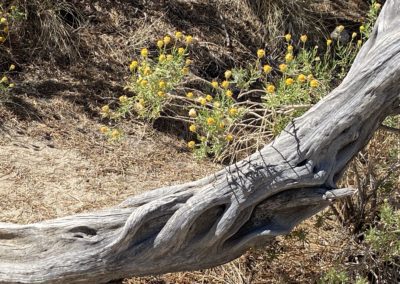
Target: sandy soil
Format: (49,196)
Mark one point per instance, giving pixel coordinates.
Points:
(48,172)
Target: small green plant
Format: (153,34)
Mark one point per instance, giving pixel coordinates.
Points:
(372,15)
(334,276)
(384,238)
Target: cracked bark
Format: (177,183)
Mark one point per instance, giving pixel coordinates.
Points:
(214,220)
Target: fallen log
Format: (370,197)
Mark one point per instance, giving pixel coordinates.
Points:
(211,221)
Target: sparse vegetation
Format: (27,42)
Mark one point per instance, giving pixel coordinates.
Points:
(9,18)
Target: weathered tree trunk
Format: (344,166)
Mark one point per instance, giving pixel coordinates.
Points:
(214,220)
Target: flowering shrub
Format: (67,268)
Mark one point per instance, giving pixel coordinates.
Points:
(372,15)
(8,18)
(6,85)
(152,79)
(213,119)
(220,115)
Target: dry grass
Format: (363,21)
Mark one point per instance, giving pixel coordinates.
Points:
(50,169)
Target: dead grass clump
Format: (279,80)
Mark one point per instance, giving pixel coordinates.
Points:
(51,27)
(317,19)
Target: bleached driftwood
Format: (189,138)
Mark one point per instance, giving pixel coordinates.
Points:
(214,220)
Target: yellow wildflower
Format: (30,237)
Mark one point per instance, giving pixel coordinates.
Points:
(340,28)
(214,84)
(185,70)
(359,42)
(189,39)
(228,74)
(2,39)
(181,51)
(314,83)
(139,106)
(6,29)
(104,129)
(289,81)
(209,98)
(162,84)
(161,94)
(233,111)
(354,35)
(162,57)
(123,99)
(210,121)
(290,48)
(202,101)
(191,144)
(216,104)
(178,35)
(229,93)
(170,57)
(267,69)
(270,89)
(301,78)
(3,21)
(188,62)
(229,137)
(377,6)
(12,67)
(134,64)
(221,125)
(328,42)
(310,77)
(192,112)
(167,40)
(147,71)
(105,109)
(160,44)
(143,83)
(362,28)
(303,38)
(12,85)
(4,79)
(289,58)
(225,84)
(189,95)
(192,128)
(283,67)
(260,53)
(115,134)
(288,37)
(144,52)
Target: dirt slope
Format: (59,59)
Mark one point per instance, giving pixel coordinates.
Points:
(50,169)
